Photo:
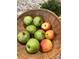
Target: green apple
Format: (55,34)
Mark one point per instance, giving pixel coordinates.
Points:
(28,20)
(31,29)
(32,46)
(37,21)
(23,36)
(40,34)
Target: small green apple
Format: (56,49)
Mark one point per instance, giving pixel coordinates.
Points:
(32,46)
(37,21)
(39,34)
(28,20)
(23,36)
(31,29)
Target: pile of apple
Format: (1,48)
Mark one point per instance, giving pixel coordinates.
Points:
(37,35)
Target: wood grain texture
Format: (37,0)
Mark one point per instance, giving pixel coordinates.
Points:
(56,25)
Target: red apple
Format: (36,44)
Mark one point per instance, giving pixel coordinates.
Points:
(46,26)
(49,34)
(46,45)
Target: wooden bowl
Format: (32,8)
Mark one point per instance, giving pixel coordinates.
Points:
(56,25)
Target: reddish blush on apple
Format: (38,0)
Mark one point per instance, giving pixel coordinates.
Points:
(46,26)
(46,45)
(49,34)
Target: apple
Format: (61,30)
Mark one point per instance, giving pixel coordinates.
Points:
(23,36)
(32,46)
(37,21)
(46,26)
(49,34)
(46,45)
(28,20)
(39,35)
(31,29)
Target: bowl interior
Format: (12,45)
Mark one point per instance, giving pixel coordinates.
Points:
(56,26)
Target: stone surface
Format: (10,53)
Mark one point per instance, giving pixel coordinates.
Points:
(23,5)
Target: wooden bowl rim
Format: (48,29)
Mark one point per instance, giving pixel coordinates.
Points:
(39,10)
